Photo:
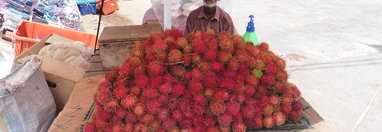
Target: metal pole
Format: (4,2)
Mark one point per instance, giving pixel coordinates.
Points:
(99,25)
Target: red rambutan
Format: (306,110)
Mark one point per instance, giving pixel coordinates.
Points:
(268,110)
(195,87)
(160,46)
(263,46)
(111,105)
(163,114)
(199,99)
(141,81)
(286,99)
(199,46)
(102,97)
(297,105)
(129,102)
(225,119)
(139,110)
(233,108)
(217,108)
(185,123)
(181,42)
(210,55)
(249,91)
(150,93)
(271,69)
(263,101)
(221,95)
(210,82)
(175,56)
(268,122)
(286,109)
(117,128)
(279,118)
(120,93)
(132,117)
(224,57)
(156,68)
(153,106)
(208,92)
(147,118)
(177,115)
(233,64)
(251,80)
(268,80)
(248,111)
(295,115)
(239,127)
(282,76)
(178,89)
(216,66)
(90,127)
(209,121)
(198,109)
(274,100)
(165,88)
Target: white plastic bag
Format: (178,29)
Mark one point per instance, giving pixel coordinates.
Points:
(26,103)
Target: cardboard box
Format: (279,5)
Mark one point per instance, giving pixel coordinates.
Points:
(117,42)
(61,77)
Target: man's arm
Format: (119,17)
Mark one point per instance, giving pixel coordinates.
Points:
(230,26)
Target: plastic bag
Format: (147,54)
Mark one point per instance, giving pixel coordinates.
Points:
(26,103)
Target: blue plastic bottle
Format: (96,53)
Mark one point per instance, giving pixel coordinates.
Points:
(250,35)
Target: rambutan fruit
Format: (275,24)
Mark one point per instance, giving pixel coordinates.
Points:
(187,59)
(128,127)
(225,119)
(224,57)
(177,115)
(163,98)
(160,46)
(227,83)
(168,78)
(252,50)
(268,110)
(198,109)
(170,41)
(286,109)
(221,95)
(210,55)
(121,113)
(279,118)
(216,66)
(120,93)
(274,100)
(248,111)
(295,115)
(129,102)
(195,87)
(237,118)
(156,36)
(181,42)
(139,127)
(199,46)
(251,101)
(226,45)
(250,63)
(217,108)
(204,66)
(178,89)
(295,92)
(263,46)
(267,80)
(163,114)
(249,91)
(102,97)
(241,98)
(153,106)
(132,117)
(297,105)
(196,59)
(286,99)
(263,101)
(133,62)
(189,114)
(196,75)
(233,64)
(141,81)
(165,88)
(146,119)
(154,126)
(100,123)
(239,127)
(254,123)
(156,68)
(175,56)
(168,123)
(176,33)
(213,44)
(260,65)
(238,41)
(242,55)
(251,80)
(104,86)
(268,122)
(161,56)
(101,113)
(111,105)
(137,53)
(90,127)
(117,128)
(213,129)
(139,110)
(280,63)
(282,76)
(150,93)
(150,57)
(156,81)
(209,121)
(271,69)
(185,123)
(135,90)
(125,70)
(178,71)
(188,49)
(233,108)
(208,92)
(210,82)
(261,91)
(199,99)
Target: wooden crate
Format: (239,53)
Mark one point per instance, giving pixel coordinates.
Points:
(117,42)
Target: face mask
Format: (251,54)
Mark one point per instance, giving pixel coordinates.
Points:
(207,4)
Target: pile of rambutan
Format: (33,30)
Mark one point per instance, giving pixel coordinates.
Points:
(200,82)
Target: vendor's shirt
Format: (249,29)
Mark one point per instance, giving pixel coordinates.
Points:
(198,21)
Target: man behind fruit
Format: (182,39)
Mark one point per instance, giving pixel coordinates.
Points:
(209,16)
